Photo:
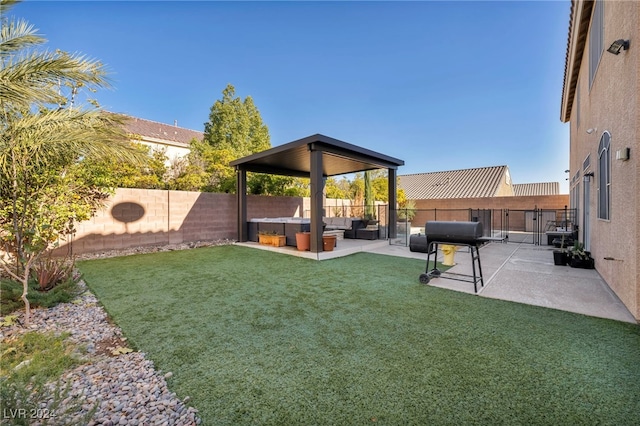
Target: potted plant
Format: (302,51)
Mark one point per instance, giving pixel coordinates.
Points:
(328,242)
(581,258)
(303,241)
(406,213)
(406,210)
(561,255)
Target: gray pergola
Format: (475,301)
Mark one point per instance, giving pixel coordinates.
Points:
(314,157)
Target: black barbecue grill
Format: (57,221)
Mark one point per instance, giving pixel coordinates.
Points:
(460,234)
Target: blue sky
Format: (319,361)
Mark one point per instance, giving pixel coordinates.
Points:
(442,85)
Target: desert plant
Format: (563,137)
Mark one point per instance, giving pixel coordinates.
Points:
(563,244)
(50,271)
(578,251)
(407,210)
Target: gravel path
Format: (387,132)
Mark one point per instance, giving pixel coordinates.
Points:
(126,388)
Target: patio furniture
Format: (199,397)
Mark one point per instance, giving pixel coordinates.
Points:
(347,224)
(552,235)
(367,234)
(338,233)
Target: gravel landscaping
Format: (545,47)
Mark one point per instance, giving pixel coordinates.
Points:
(124,385)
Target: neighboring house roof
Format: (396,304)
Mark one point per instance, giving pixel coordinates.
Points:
(468,183)
(162,133)
(579,20)
(530,189)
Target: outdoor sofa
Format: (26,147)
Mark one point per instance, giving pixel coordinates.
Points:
(353,227)
(349,225)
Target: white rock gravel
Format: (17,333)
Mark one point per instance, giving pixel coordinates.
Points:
(126,387)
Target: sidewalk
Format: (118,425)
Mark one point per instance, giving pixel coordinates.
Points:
(525,273)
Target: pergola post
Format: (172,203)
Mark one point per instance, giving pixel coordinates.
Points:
(317,187)
(393,198)
(241,192)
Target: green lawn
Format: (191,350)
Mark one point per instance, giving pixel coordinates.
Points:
(256,337)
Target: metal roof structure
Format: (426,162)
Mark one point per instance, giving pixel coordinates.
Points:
(534,189)
(315,157)
(468,183)
(338,158)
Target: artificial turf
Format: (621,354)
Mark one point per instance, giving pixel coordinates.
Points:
(255,337)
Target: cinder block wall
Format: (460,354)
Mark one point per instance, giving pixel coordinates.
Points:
(263,206)
(547,202)
(145,217)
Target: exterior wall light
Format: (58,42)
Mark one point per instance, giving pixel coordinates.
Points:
(623,154)
(591,130)
(617,46)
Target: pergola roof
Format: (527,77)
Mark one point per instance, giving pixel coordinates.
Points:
(315,157)
(338,157)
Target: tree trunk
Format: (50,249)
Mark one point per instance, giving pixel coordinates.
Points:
(27,306)
(24,280)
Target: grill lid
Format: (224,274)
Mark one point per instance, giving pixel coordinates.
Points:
(453,232)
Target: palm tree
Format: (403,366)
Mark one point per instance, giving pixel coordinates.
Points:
(44,135)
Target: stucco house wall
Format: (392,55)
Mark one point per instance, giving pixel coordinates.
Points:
(173,152)
(610,104)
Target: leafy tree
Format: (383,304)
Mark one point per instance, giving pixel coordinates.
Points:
(265,184)
(299,187)
(44,137)
(206,169)
(369,208)
(112,173)
(401,196)
(235,125)
(234,130)
(337,189)
(379,186)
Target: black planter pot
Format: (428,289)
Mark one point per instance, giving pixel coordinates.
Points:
(559,257)
(582,263)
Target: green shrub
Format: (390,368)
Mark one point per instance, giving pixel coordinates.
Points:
(11,291)
(28,363)
(22,404)
(44,357)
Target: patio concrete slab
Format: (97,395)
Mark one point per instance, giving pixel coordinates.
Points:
(343,247)
(529,276)
(517,272)
(525,273)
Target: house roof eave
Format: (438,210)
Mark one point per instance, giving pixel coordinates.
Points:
(579,20)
